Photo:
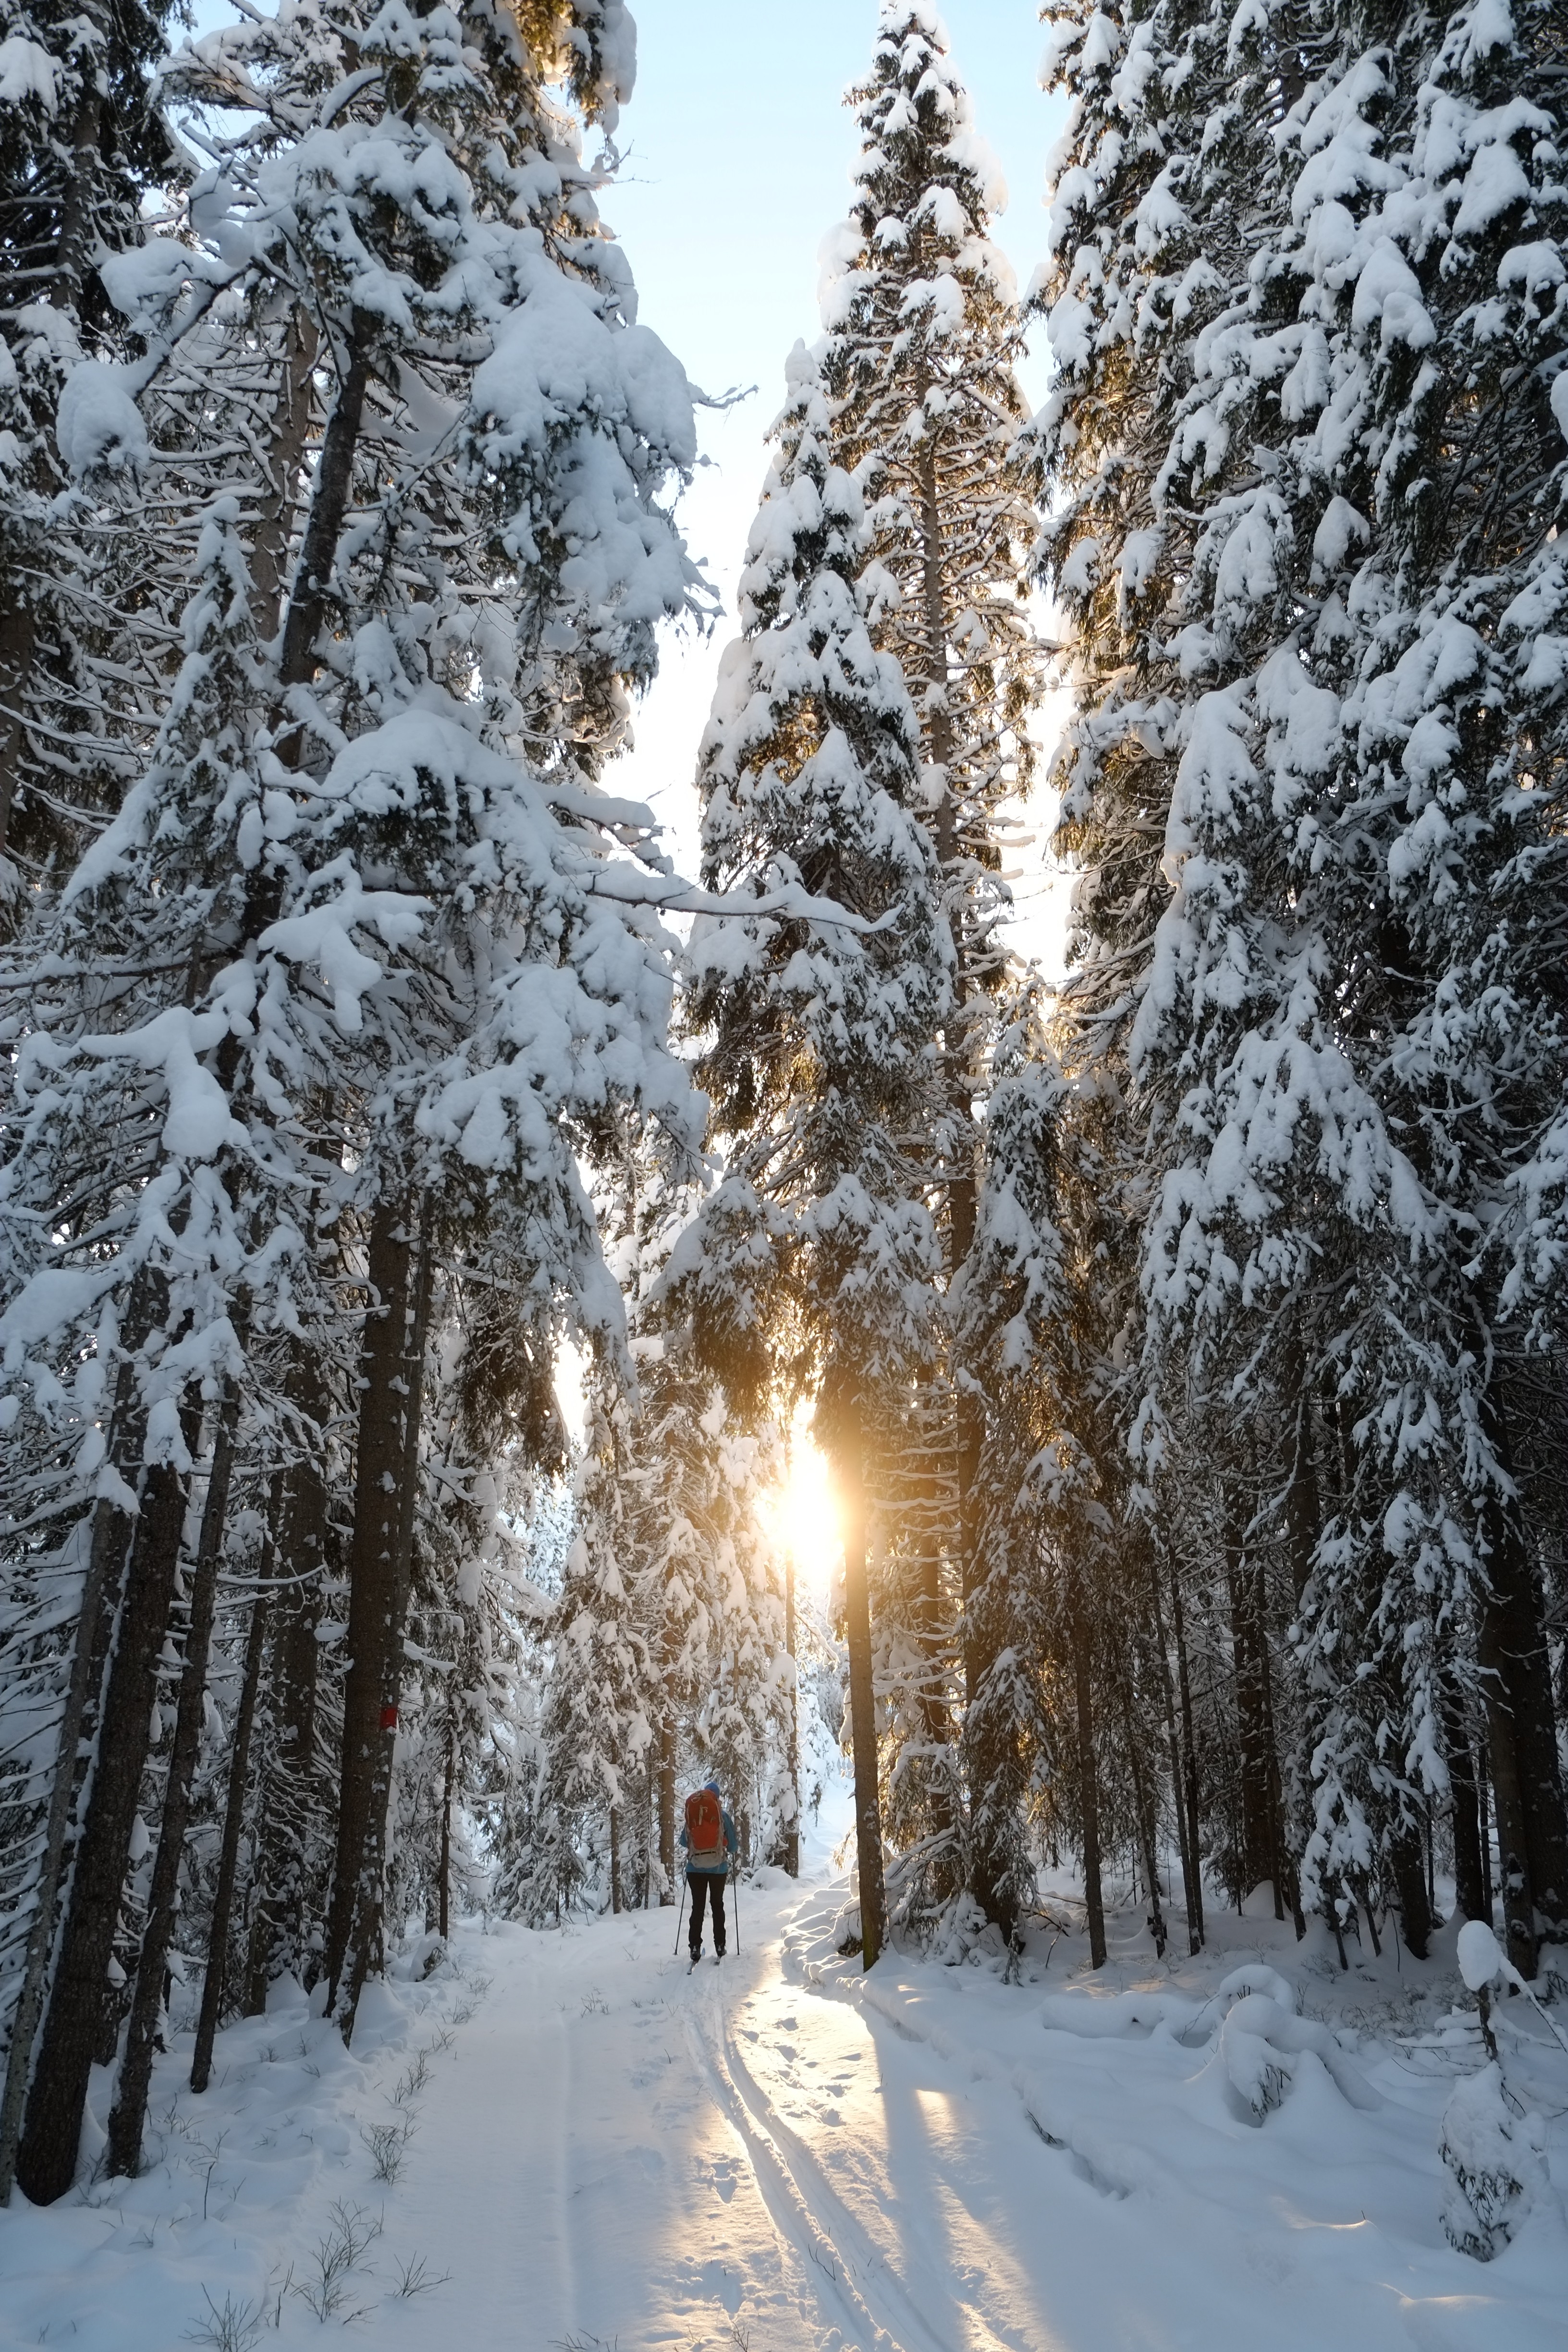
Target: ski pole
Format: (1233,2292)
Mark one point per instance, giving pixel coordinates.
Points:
(678,1917)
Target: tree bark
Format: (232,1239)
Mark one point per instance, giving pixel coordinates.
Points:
(1519,1695)
(46,2160)
(1303,1510)
(213,1983)
(666,1791)
(1464,1807)
(392,1378)
(355,1906)
(1508,1802)
(18,645)
(443,1916)
(1192,1891)
(285,462)
(1189,1761)
(1142,1798)
(329,506)
(129,2113)
(110,1533)
(862,1701)
(1087,1780)
(77,224)
(792,1833)
(1259,1844)
(291,1792)
(1410,1878)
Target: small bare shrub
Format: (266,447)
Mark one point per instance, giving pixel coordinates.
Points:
(228,2326)
(413,2079)
(388,2146)
(413,2277)
(337,2256)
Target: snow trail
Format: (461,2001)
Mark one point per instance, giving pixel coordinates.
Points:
(781,2156)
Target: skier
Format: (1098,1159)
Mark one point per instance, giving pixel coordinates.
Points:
(709,1838)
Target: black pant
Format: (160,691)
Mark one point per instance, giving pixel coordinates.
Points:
(711,1884)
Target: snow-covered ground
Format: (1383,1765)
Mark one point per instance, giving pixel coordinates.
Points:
(592,2147)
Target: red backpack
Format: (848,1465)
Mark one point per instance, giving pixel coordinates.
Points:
(704,1828)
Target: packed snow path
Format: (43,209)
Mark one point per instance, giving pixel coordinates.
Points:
(784,2156)
(910,2164)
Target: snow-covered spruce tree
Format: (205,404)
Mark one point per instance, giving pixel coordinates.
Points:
(669,1640)
(80,148)
(1256,227)
(556,663)
(495,1436)
(598,1728)
(353,790)
(1069,1713)
(703,1564)
(810,1271)
(145,1197)
(922,332)
(1448,787)
(1012,1305)
(1171,552)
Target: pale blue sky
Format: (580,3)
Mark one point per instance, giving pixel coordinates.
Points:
(737,153)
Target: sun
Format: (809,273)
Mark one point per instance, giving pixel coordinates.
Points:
(806,1516)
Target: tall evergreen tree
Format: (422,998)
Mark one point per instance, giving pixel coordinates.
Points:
(81,149)
(810,1272)
(922,334)
(1280,612)
(368,932)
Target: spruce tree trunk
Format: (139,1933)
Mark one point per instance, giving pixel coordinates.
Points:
(862,1701)
(932,1765)
(108,1535)
(18,646)
(666,1788)
(792,1834)
(616,1904)
(46,2163)
(647,1809)
(449,1783)
(1410,1877)
(285,462)
(129,2113)
(287,1815)
(213,1982)
(108,1540)
(1142,1798)
(391,1376)
(1087,1779)
(1303,1509)
(1465,1813)
(1508,1802)
(1258,1845)
(372,1584)
(328,504)
(1192,1892)
(1189,1760)
(73,256)
(1514,1653)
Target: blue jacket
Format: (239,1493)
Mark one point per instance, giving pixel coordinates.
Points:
(730,1848)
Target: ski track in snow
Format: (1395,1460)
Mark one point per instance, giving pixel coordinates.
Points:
(785,2157)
